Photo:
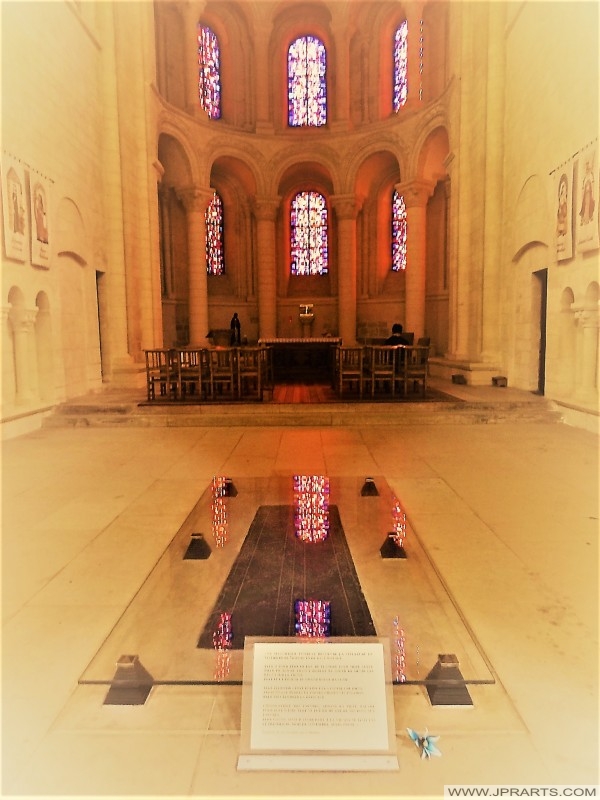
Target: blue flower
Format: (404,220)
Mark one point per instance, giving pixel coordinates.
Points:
(425,743)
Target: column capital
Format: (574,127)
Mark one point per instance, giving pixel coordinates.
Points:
(22,319)
(416,192)
(346,206)
(266,208)
(195,198)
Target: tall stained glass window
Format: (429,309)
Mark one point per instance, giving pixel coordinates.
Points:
(399,232)
(308,219)
(215,261)
(209,72)
(307,89)
(400,66)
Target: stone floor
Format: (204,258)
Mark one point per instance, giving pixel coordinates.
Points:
(507,513)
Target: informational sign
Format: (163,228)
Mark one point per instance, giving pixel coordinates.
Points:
(323,704)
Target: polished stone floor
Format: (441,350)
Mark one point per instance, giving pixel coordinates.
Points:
(505,519)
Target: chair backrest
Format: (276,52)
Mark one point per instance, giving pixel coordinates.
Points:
(249,358)
(222,358)
(350,358)
(159,359)
(410,337)
(383,356)
(424,340)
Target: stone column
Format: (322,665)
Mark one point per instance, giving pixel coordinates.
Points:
(340,89)
(196,202)
(22,321)
(115,346)
(494,150)
(416,193)
(264,122)
(265,211)
(346,209)
(588,387)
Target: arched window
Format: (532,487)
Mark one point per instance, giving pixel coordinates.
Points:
(400,66)
(307,90)
(215,261)
(399,230)
(209,72)
(308,222)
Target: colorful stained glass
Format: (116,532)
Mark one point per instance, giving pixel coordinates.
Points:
(308,221)
(307,89)
(400,66)
(399,232)
(215,261)
(209,72)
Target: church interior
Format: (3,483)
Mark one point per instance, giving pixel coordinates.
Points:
(295,178)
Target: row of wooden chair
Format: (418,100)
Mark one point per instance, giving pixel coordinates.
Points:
(381,369)
(208,373)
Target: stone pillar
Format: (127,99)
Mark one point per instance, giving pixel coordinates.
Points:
(265,211)
(588,321)
(416,194)
(115,346)
(494,150)
(346,209)
(196,202)
(22,322)
(340,89)
(264,122)
(414,15)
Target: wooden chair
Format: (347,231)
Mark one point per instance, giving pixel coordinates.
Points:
(222,373)
(250,372)
(161,374)
(380,368)
(349,369)
(266,364)
(412,367)
(193,378)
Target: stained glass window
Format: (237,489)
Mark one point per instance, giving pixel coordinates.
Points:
(308,219)
(209,72)
(307,90)
(400,66)
(399,232)
(215,262)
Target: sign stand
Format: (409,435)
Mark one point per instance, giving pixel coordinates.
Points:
(317,704)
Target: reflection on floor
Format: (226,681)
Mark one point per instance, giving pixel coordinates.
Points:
(258,568)
(275,568)
(502,547)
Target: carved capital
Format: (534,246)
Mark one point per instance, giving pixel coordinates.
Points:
(416,193)
(22,319)
(195,199)
(346,206)
(266,208)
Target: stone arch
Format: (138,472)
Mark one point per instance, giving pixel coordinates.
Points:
(171,66)
(304,176)
(306,19)
(229,22)
(71,236)
(235,182)
(375,181)
(44,348)
(530,216)
(20,321)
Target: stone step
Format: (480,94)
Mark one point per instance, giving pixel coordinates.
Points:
(118,415)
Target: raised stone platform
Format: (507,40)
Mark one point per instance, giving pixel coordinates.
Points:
(465,405)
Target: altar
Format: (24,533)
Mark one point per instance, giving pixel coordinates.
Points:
(307,359)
